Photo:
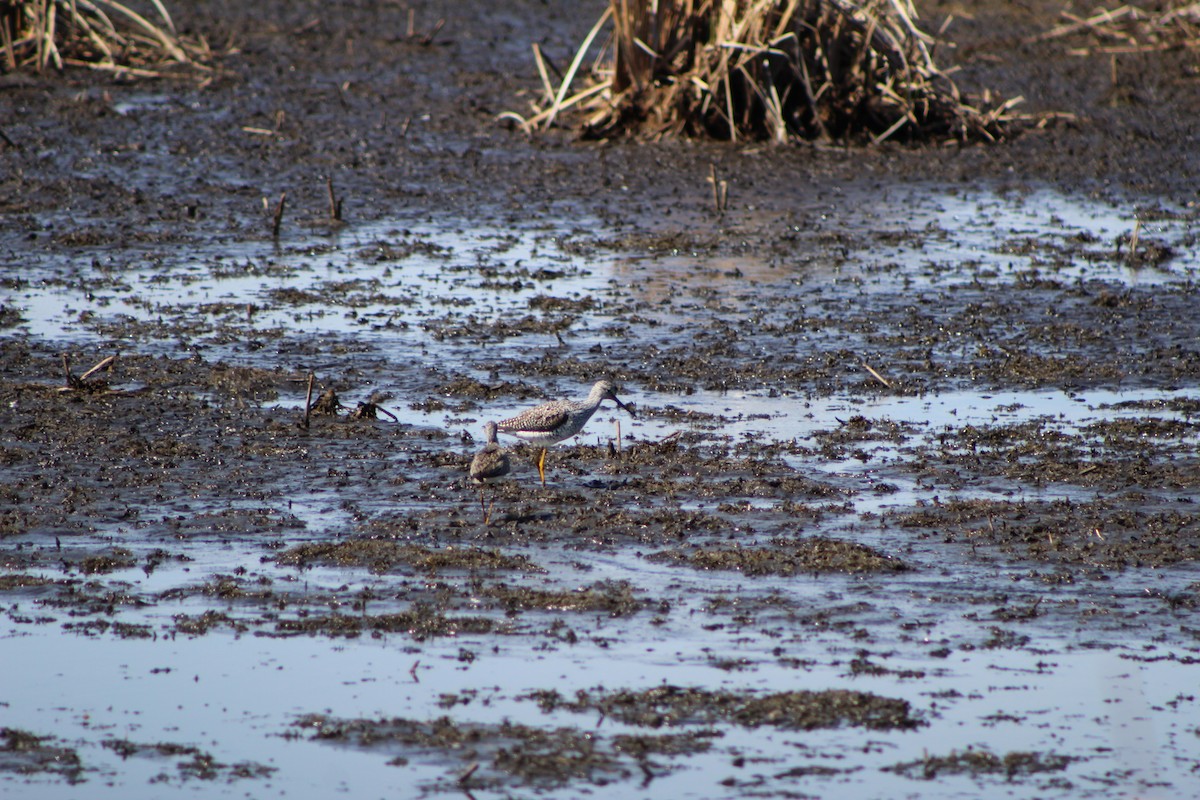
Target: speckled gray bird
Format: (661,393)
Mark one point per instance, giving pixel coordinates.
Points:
(489,464)
(553,422)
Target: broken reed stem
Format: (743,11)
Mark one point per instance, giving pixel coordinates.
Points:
(278,217)
(712,178)
(876,375)
(570,76)
(10,56)
(335,205)
(103,364)
(1133,240)
(540,60)
(720,190)
(308,399)
(466,776)
(427,39)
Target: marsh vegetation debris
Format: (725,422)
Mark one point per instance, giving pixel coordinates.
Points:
(28,754)
(1011,765)
(510,753)
(815,554)
(120,38)
(381,556)
(672,706)
(828,70)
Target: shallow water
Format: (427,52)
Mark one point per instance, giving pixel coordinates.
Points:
(1115,695)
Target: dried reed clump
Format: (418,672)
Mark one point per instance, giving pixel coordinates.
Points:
(828,70)
(96,34)
(1166,25)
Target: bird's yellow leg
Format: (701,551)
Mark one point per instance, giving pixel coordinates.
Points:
(487,517)
(542,466)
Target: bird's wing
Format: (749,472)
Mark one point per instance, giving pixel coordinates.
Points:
(542,419)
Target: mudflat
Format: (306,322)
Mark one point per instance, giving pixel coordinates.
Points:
(908,507)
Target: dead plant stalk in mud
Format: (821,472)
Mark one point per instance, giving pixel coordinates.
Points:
(95,34)
(1132,29)
(763,69)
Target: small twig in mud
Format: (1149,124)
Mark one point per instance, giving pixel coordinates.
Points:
(720,191)
(618,424)
(1092,23)
(372,407)
(413,671)
(466,776)
(311,25)
(876,375)
(426,40)
(308,399)
(370,410)
(335,205)
(1133,240)
(278,216)
(82,383)
(104,363)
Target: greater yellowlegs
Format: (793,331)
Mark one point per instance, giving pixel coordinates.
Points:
(489,464)
(551,423)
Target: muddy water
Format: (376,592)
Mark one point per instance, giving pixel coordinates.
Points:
(907,509)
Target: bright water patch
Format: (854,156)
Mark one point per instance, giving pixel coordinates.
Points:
(971,236)
(239,703)
(391,285)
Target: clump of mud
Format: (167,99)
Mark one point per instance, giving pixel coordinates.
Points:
(28,754)
(614,598)
(794,710)
(786,557)
(419,622)
(509,753)
(383,556)
(192,764)
(981,762)
(1109,534)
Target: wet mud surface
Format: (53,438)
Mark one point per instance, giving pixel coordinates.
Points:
(908,506)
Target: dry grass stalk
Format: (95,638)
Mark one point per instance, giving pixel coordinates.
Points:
(95,34)
(1169,25)
(767,69)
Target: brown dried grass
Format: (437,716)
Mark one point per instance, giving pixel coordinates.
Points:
(828,70)
(95,34)
(1165,25)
